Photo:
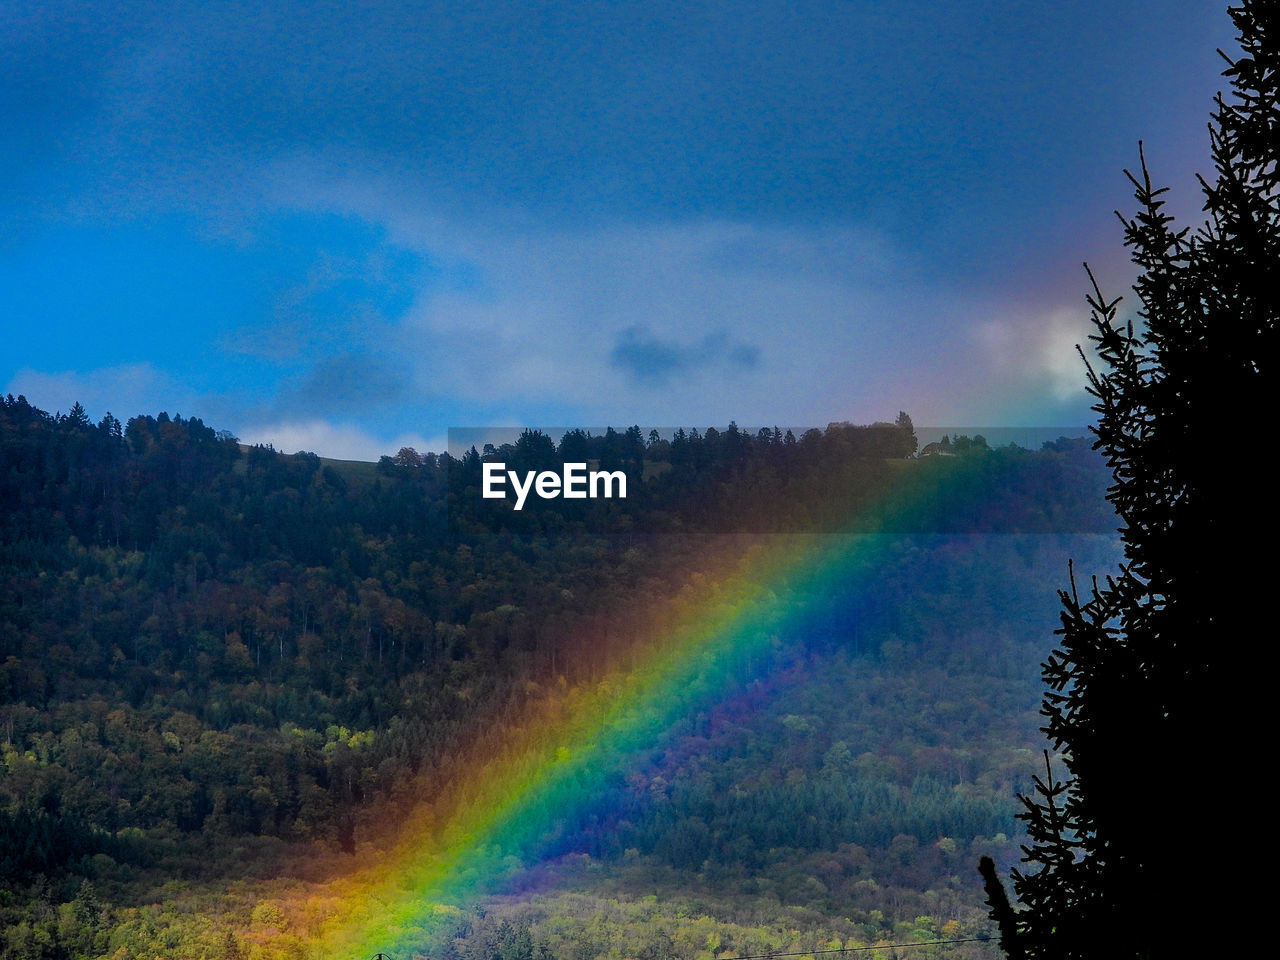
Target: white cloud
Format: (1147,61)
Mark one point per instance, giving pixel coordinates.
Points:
(545,324)
(336,441)
(1034,356)
(125,391)
(1063,330)
(842,324)
(521,322)
(137,388)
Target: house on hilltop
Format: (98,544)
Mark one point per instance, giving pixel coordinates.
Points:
(939,448)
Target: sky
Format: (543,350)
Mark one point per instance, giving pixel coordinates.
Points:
(348,227)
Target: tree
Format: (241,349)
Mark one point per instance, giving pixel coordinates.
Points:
(534,450)
(407,457)
(77,417)
(1149,690)
(909,443)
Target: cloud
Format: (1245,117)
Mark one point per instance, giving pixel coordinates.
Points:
(337,284)
(337,441)
(683,322)
(125,391)
(680,323)
(140,388)
(1058,359)
(800,112)
(641,217)
(347,383)
(591,321)
(1034,356)
(609,103)
(651,360)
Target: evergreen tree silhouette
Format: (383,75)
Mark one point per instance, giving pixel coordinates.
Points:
(1155,687)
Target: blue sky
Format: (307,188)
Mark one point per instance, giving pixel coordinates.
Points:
(346,227)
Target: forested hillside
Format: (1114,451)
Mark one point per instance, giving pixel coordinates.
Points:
(224,669)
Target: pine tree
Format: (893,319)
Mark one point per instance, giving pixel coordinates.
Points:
(1150,690)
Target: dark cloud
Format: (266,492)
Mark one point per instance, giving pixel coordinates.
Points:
(651,360)
(800,111)
(349,384)
(207,192)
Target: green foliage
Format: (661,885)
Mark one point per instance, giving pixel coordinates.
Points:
(213,657)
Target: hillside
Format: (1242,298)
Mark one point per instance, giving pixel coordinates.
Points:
(232,683)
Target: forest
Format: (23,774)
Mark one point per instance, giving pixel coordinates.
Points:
(224,669)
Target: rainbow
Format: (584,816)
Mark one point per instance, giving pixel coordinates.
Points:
(549,770)
(542,773)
